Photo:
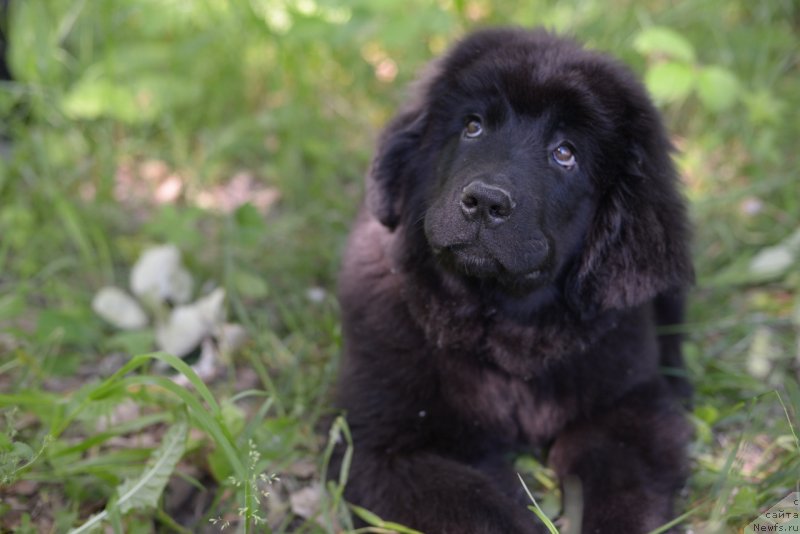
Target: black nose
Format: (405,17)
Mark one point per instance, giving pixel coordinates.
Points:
(492,203)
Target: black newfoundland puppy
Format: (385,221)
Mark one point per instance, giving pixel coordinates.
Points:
(523,242)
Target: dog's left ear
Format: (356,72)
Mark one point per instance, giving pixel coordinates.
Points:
(638,245)
(390,172)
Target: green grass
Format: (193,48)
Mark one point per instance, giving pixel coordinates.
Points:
(111,99)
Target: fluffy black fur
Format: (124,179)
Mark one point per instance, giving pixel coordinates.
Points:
(522,242)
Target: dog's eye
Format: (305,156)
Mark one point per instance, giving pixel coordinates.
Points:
(564,156)
(473,128)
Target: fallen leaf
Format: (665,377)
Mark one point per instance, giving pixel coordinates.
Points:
(305,502)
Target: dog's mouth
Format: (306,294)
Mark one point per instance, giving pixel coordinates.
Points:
(474,262)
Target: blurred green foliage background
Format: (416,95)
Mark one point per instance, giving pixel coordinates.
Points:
(240,130)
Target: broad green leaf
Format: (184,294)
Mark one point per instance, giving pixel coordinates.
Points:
(144,491)
(670,81)
(659,40)
(717,87)
(95,98)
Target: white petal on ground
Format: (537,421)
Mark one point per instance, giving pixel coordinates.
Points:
(158,276)
(772,261)
(180,286)
(777,260)
(212,307)
(183,331)
(187,326)
(119,308)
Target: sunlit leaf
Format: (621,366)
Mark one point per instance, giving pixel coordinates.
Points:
(95,98)
(659,40)
(670,81)
(718,88)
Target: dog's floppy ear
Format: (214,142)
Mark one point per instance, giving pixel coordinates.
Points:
(389,172)
(638,245)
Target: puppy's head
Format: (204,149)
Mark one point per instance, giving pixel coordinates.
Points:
(532,163)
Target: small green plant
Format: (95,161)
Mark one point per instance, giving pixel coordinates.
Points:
(143,492)
(255,488)
(674,71)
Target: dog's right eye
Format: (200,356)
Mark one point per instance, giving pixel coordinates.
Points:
(564,155)
(473,128)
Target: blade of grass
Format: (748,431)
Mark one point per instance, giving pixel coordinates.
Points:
(678,520)
(336,489)
(538,511)
(788,418)
(376,521)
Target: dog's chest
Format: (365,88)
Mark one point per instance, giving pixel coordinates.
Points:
(517,409)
